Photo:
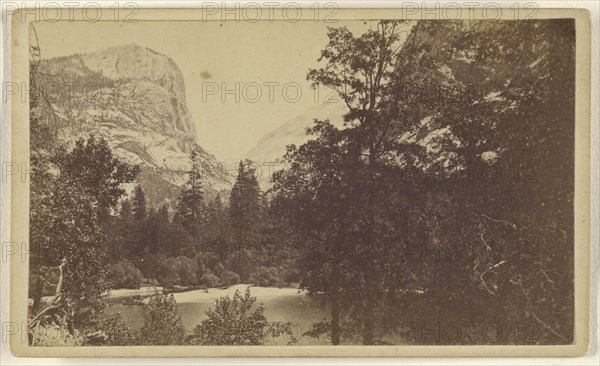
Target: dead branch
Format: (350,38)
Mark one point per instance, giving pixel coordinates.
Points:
(57,297)
(46,281)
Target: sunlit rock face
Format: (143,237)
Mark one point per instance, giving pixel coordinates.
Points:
(135,98)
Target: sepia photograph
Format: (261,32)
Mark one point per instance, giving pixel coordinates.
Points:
(352,181)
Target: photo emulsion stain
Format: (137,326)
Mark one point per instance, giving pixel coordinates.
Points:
(365,182)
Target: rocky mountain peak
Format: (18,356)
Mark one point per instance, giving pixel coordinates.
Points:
(134,97)
(133,61)
(142,66)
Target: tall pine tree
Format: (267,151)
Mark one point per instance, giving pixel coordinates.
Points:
(218,228)
(245,216)
(245,206)
(191,209)
(138,204)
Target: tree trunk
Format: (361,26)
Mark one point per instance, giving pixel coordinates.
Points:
(335,319)
(368,328)
(37,295)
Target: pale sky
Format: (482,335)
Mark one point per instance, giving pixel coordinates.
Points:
(278,54)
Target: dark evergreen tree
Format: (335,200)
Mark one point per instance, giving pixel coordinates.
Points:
(126,212)
(123,240)
(191,209)
(245,206)
(138,204)
(245,215)
(218,235)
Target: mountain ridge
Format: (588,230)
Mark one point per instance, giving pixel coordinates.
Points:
(134,97)
(271,146)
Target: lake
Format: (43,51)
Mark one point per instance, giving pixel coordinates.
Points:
(281,304)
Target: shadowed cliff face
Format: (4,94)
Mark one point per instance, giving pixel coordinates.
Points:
(135,98)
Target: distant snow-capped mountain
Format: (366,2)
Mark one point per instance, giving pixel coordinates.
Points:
(135,98)
(271,148)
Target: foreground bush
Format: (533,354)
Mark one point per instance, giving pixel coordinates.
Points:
(116,332)
(125,275)
(162,322)
(232,323)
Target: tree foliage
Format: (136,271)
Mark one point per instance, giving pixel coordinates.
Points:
(232,323)
(124,275)
(162,322)
(138,204)
(191,208)
(423,114)
(451,179)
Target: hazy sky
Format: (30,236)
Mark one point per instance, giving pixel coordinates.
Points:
(251,54)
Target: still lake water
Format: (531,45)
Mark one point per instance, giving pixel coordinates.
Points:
(296,308)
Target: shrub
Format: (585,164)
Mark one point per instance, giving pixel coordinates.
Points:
(218,268)
(211,260)
(229,278)
(149,264)
(243,261)
(209,279)
(207,260)
(177,271)
(202,269)
(231,323)
(125,275)
(186,269)
(166,274)
(265,276)
(162,322)
(117,332)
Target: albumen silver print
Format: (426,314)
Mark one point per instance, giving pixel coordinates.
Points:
(306,184)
